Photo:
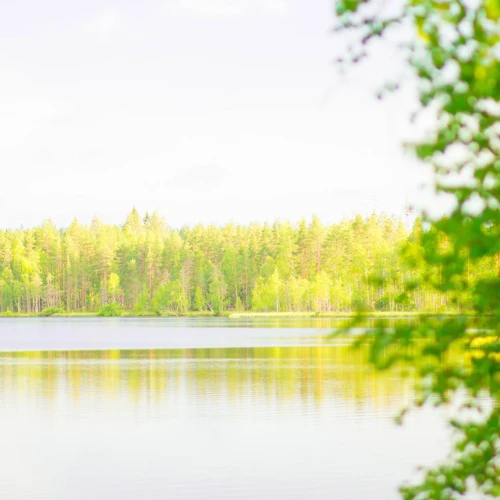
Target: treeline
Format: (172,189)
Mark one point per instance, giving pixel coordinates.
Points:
(146,266)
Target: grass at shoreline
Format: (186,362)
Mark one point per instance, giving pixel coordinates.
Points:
(244,315)
(349,314)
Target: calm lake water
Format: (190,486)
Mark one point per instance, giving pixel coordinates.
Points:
(201,409)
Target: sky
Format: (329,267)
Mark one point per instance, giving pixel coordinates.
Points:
(207,111)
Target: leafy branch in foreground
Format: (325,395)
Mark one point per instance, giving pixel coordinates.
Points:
(452,48)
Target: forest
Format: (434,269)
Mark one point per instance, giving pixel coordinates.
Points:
(145,266)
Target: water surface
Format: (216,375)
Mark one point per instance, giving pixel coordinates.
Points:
(128,333)
(94,409)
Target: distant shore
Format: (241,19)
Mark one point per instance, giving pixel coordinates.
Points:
(243,315)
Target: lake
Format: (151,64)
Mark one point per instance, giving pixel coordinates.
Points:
(201,408)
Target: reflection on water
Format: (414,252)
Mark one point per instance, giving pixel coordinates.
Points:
(281,423)
(306,375)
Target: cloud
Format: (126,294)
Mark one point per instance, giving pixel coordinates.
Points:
(226,8)
(106,24)
(90,155)
(43,155)
(199,176)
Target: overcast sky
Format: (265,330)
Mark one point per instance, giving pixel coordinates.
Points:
(204,110)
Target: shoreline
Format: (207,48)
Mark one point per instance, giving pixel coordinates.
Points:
(248,315)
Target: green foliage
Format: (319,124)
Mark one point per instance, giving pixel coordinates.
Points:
(382,304)
(453,51)
(110,310)
(217,291)
(49,311)
(170,297)
(143,302)
(146,267)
